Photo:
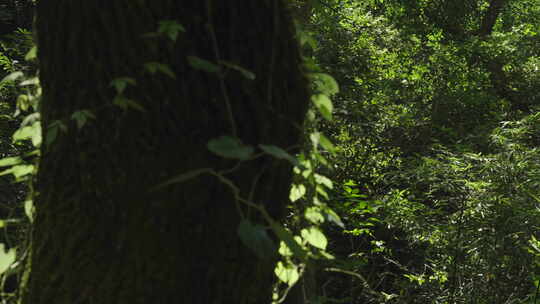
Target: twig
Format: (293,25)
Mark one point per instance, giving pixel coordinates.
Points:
(215,48)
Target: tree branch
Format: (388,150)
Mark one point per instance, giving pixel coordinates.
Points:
(488,22)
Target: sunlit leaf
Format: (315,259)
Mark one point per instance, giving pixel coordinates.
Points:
(22,170)
(287,273)
(327,144)
(29,209)
(324,105)
(326,255)
(314,215)
(323,180)
(10,161)
(12,76)
(297,191)
(30,81)
(324,83)
(322,191)
(32,54)
(315,138)
(6,258)
(284,250)
(315,237)
(23,102)
(31,132)
(289,240)
(19,170)
(333,217)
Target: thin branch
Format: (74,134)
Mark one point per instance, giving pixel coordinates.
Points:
(215,47)
(365,283)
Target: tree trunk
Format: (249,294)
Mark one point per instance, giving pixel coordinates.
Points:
(490,17)
(101,234)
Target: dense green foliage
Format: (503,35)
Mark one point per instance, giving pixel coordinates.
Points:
(436,129)
(418,183)
(15,103)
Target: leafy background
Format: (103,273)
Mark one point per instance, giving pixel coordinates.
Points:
(420,181)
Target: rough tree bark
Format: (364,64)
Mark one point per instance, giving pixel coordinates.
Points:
(101,235)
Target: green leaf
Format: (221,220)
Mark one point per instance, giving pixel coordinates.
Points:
(203,65)
(246,73)
(22,170)
(170,28)
(10,161)
(23,102)
(30,81)
(320,189)
(32,132)
(19,170)
(321,159)
(154,67)
(333,217)
(284,250)
(12,77)
(230,147)
(307,40)
(52,131)
(310,116)
(6,258)
(289,240)
(315,138)
(81,117)
(32,54)
(182,178)
(388,297)
(29,209)
(327,144)
(314,215)
(126,103)
(121,83)
(31,119)
(297,191)
(256,238)
(324,83)
(324,105)
(323,180)
(277,152)
(287,273)
(315,237)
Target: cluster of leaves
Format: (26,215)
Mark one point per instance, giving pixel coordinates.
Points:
(435,131)
(20,138)
(482,212)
